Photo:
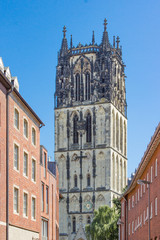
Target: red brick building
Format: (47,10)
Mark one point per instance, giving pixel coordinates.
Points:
(20,168)
(49,198)
(135,201)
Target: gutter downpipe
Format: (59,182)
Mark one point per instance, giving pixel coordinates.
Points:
(126,218)
(7,163)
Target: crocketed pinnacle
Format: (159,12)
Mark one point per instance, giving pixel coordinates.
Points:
(105,40)
(64,46)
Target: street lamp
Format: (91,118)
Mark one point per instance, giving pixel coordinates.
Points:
(141,182)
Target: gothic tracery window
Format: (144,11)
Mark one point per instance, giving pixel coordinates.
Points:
(74,224)
(88,180)
(75,181)
(87,86)
(77,87)
(88,128)
(75,132)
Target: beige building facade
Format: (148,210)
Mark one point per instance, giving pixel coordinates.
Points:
(90,130)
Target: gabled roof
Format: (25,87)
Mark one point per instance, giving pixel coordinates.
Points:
(155,140)
(8,85)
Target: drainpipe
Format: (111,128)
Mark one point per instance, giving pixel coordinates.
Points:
(7,163)
(126,218)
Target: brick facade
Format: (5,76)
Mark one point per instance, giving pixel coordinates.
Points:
(21,169)
(134,203)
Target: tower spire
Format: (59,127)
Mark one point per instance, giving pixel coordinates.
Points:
(93,39)
(105,40)
(105,25)
(64,46)
(71,44)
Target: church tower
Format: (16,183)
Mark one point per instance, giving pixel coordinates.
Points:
(90,130)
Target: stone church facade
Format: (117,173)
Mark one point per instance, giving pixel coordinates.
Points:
(90,130)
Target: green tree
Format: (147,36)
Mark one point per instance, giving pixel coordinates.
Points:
(104,224)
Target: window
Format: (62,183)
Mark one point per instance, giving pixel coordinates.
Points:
(123,209)
(33,208)
(74,224)
(132,227)
(75,132)
(144,187)
(88,220)
(156,168)
(147,178)
(151,211)
(16,118)
(16,200)
(44,230)
(87,86)
(151,173)
(75,181)
(45,164)
(16,157)
(77,87)
(141,190)
(25,164)
(129,204)
(129,229)
(138,194)
(33,136)
(132,201)
(88,180)
(33,170)
(25,204)
(47,198)
(25,128)
(42,197)
(155,206)
(88,128)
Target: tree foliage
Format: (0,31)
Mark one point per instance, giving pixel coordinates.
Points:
(104,224)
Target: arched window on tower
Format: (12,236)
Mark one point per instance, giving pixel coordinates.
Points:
(87,86)
(74,224)
(125,139)
(103,92)
(88,128)
(88,219)
(75,132)
(75,181)
(117,131)
(88,180)
(77,87)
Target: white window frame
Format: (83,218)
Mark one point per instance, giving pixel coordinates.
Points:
(17,128)
(132,227)
(151,212)
(147,178)
(47,204)
(25,119)
(18,200)
(156,164)
(138,194)
(34,180)
(133,201)
(25,152)
(25,192)
(151,174)
(18,163)
(156,207)
(33,219)
(129,228)
(129,204)
(35,140)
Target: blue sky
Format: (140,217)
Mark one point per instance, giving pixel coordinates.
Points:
(31,34)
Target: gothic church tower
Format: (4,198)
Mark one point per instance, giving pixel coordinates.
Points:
(90,130)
